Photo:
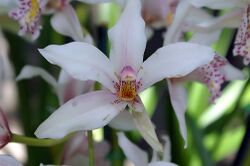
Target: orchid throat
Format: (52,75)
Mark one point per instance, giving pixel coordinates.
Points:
(127,86)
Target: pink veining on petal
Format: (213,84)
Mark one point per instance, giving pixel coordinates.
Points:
(28,14)
(5,133)
(242,41)
(213,77)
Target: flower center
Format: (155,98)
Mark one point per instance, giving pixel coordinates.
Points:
(127,87)
(33,12)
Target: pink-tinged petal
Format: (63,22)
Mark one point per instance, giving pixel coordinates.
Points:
(131,151)
(5,133)
(123,121)
(86,112)
(69,87)
(94,1)
(174,60)
(214,74)
(28,72)
(218,4)
(6,160)
(242,41)
(145,127)
(82,61)
(128,38)
(161,163)
(28,14)
(178,99)
(66,23)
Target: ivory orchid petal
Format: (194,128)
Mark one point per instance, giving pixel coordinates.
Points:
(124,75)
(6,160)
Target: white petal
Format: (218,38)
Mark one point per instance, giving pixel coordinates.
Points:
(82,61)
(131,151)
(207,38)
(31,71)
(69,87)
(231,19)
(161,163)
(128,38)
(178,99)
(146,128)
(174,60)
(232,73)
(217,4)
(123,121)
(85,112)
(167,148)
(66,23)
(181,12)
(6,160)
(94,1)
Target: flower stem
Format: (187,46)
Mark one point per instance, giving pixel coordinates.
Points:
(36,142)
(91,148)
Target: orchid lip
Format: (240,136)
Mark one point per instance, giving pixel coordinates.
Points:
(127,87)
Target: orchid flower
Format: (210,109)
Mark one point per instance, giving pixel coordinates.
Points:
(140,158)
(239,8)
(76,151)
(29,13)
(6,160)
(213,75)
(5,133)
(124,75)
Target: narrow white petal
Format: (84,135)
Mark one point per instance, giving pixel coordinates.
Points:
(123,121)
(181,12)
(161,163)
(232,73)
(31,71)
(128,38)
(85,112)
(231,19)
(167,148)
(6,160)
(66,23)
(217,4)
(146,128)
(178,99)
(82,61)
(207,38)
(174,60)
(131,151)
(68,87)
